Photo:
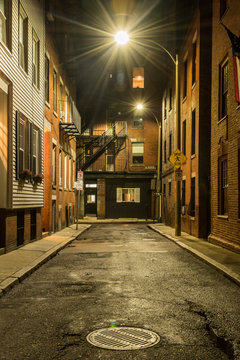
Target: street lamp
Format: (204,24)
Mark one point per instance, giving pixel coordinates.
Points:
(123,35)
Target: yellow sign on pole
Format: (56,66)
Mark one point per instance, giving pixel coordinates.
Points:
(177,158)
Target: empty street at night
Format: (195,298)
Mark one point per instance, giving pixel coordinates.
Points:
(129,275)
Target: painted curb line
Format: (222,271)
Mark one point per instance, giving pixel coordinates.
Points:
(217,266)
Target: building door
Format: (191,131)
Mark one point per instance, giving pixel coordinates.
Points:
(33,224)
(53,215)
(20,228)
(91,200)
(66,216)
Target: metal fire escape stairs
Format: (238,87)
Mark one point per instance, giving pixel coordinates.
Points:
(93,146)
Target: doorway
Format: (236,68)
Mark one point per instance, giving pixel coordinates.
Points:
(90,199)
(33,224)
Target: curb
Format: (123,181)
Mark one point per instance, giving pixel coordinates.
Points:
(217,266)
(27,270)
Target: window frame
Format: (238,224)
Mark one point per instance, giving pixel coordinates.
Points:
(54,163)
(193,133)
(35,59)
(185,69)
(47,68)
(194,62)
(54,90)
(6,18)
(138,155)
(223,93)
(223,185)
(23,39)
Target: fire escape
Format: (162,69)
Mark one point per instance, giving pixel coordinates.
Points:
(92,146)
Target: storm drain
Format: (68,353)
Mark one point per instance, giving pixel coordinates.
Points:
(123,338)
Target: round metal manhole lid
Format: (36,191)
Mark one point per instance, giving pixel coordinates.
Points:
(123,338)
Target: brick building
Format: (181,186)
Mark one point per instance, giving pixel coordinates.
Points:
(22,44)
(62,124)
(195,105)
(118,154)
(225,130)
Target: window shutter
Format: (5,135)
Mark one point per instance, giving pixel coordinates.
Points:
(137,195)
(40,152)
(119,194)
(30,146)
(17,143)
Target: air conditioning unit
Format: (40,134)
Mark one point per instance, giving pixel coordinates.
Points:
(183,210)
(62,115)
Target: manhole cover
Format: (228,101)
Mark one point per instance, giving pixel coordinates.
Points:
(123,338)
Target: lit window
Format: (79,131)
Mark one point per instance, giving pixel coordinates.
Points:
(137,153)
(23,39)
(128,195)
(138,77)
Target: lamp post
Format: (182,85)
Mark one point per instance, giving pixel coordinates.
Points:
(122,38)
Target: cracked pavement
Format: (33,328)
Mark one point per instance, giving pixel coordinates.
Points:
(127,273)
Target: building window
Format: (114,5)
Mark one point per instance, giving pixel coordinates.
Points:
(170,99)
(194,60)
(223,7)
(73,172)
(223,186)
(46,79)
(193,132)
(22,158)
(128,195)
(164,189)
(35,151)
(170,144)
(137,153)
(54,90)
(60,168)
(185,78)
(23,39)
(35,59)
(184,136)
(191,207)
(65,172)
(138,78)
(70,173)
(183,192)
(165,152)
(66,107)
(169,188)
(165,108)
(5,22)
(138,122)
(223,84)
(54,148)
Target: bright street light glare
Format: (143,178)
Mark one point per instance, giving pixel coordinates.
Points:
(121,37)
(139,106)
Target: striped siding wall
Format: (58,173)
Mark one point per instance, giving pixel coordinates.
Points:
(26,98)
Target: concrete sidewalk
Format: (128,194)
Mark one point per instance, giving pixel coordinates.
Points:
(223,260)
(18,264)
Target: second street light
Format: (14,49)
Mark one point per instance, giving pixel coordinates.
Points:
(122,38)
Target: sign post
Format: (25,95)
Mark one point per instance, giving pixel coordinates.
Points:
(79,187)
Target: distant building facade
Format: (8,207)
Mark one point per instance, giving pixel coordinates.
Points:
(225,130)
(22,44)
(62,124)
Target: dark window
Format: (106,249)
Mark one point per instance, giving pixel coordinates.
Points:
(165,108)
(184,134)
(223,89)
(54,148)
(170,144)
(223,186)
(164,189)
(194,48)
(20,228)
(35,59)
(191,208)
(185,79)
(138,122)
(183,192)
(5,22)
(170,99)
(169,188)
(54,90)
(165,151)
(223,7)
(47,79)
(23,160)
(193,132)
(23,39)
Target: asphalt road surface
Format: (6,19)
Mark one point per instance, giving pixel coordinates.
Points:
(130,274)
